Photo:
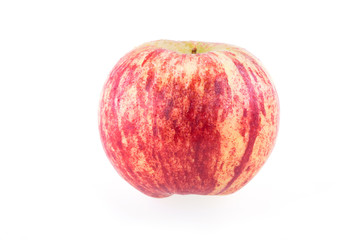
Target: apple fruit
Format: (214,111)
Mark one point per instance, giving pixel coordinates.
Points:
(187,117)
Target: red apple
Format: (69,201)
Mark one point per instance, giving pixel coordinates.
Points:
(188,118)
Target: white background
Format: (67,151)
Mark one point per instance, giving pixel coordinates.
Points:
(55,180)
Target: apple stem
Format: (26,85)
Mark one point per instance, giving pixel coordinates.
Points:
(193,51)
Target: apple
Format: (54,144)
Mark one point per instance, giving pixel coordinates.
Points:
(190,117)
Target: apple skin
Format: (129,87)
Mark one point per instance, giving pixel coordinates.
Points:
(188,118)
